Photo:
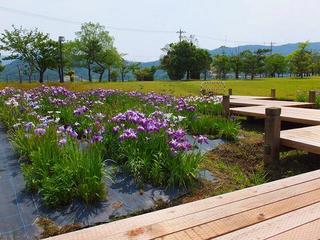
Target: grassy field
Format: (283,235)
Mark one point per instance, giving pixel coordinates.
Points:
(287,88)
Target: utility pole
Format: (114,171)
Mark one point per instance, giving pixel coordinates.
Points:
(180,32)
(61,73)
(271,47)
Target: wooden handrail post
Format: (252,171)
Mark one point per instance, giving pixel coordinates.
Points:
(272,138)
(312,96)
(230,91)
(273,93)
(226,105)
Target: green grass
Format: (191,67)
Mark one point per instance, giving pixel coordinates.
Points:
(287,88)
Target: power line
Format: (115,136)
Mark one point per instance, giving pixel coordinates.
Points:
(180,32)
(31,14)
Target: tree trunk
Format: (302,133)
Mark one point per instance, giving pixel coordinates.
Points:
(19,72)
(109,74)
(122,76)
(100,76)
(237,74)
(89,73)
(188,75)
(41,76)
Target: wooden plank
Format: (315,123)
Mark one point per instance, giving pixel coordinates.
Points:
(276,226)
(289,114)
(235,222)
(98,232)
(308,231)
(307,139)
(244,102)
(149,231)
(250,97)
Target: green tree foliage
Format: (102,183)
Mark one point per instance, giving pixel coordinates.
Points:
(34,48)
(300,61)
(145,74)
(315,66)
(91,44)
(249,63)
(2,67)
(235,65)
(184,58)
(201,63)
(221,65)
(126,67)
(253,62)
(275,64)
(107,58)
(260,56)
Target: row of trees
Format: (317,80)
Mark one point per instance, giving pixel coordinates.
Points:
(185,60)
(93,49)
(301,62)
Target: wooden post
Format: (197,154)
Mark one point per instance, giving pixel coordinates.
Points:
(230,91)
(273,93)
(272,138)
(312,96)
(226,105)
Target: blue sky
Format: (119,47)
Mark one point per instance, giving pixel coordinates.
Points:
(214,22)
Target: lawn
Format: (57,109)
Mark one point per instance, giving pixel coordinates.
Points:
(287,88)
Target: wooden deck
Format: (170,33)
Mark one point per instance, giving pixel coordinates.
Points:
(284,209)
(250,97)
(307,139)
(289,114)
(246,102)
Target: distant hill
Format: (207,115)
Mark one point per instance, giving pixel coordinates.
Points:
(12,73)
(281,49)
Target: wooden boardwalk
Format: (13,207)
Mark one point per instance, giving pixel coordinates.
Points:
(290,114)
(307,139)
(284,209)
(247,102)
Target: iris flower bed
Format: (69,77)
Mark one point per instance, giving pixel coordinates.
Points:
(64,137)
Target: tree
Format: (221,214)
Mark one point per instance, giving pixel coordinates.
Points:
(106,59)
(126,67)
(2,67)
(221,65)
(185,59)
(249,63)
(145,74)
(177,60)
(32,47)
(260,56)
(315,67)
(92,40)
(235,65)
(201,63)
(300,61)
(275,64)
